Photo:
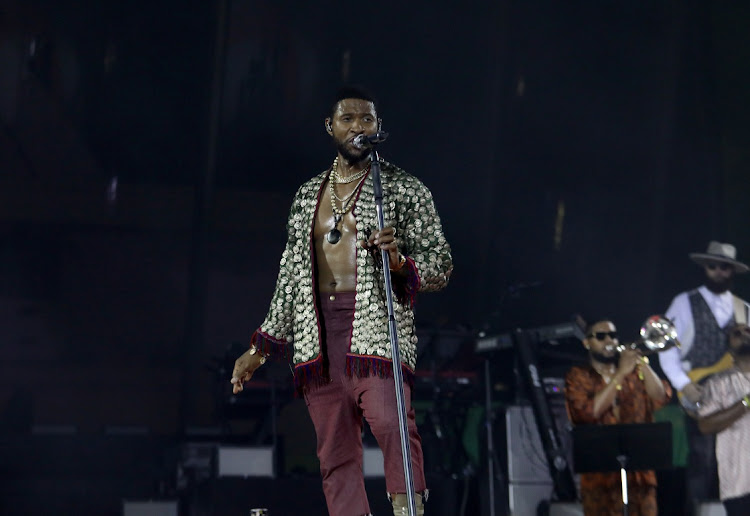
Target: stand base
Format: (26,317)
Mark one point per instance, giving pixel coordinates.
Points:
(715,508)
(565,509)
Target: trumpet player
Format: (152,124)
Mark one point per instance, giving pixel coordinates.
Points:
(617,386)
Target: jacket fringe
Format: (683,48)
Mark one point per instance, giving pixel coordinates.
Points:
(406,287)
(270,347)
(310,375)
(362,366)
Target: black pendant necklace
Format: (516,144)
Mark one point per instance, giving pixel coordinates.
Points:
(334,235)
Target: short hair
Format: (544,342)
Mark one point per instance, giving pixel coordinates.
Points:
(353,92)
(595,321)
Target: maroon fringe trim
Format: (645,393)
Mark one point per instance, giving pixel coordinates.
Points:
(271,347)
(363,366)
(413,282)
(309,375)
(406,287)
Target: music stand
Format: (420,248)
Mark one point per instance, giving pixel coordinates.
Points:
(626,447)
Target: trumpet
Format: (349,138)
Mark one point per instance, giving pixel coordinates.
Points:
(656,334)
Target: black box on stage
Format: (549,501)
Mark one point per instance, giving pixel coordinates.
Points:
(149,508)
(247,461)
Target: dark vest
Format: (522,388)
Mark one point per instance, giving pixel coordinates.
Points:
(711,341)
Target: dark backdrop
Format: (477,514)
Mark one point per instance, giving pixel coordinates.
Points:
(577,154)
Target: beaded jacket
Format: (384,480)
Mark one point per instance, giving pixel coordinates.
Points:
(292,327)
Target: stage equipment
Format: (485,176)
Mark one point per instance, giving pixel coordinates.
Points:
(398,377)
(715,508)
(623,448)
(363,141)
(529,483)
(373,463)
(565,509)
(243,461)
(493,465)
(446,392)
(149,508)
(559,467)
(552,334)
(524,499)
(525,344)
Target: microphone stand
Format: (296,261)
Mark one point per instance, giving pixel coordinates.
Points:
(395,355)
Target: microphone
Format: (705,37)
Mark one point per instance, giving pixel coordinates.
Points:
(363,141)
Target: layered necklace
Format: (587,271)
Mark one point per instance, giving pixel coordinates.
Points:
(334,235)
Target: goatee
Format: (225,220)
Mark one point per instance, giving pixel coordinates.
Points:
(348,155)
(719,287)
(604,359)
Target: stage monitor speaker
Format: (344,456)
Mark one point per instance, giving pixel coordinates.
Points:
(233,461)
(715,508)
(149,508)
(565,509)
(373,463)
(527,462)
(524,499)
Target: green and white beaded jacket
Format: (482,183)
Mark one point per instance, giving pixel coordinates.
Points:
(292,326)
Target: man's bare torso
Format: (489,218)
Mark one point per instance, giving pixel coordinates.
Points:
(336,263)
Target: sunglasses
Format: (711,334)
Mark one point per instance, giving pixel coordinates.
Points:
(720,266)
(739,332)
(601,335)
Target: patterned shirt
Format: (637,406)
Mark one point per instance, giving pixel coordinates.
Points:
(721,391)
(292,326)
(634,405)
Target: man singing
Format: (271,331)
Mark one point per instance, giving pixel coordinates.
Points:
(329,311)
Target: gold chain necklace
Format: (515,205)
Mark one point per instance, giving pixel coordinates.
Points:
(334,235)
(347,179)
(346,198)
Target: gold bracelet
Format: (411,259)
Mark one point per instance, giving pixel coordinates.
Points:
(401,263)
(254,350)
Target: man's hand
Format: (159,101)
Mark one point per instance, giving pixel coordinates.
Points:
(692,392)
(629,359)
(244,367)
(385,239)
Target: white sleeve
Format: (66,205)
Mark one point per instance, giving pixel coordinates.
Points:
(681,315)
(745,310)
(671,360)
(671,363)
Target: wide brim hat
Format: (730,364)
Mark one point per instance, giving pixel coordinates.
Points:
(719,252)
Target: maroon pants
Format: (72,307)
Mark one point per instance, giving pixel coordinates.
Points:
(337,409)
